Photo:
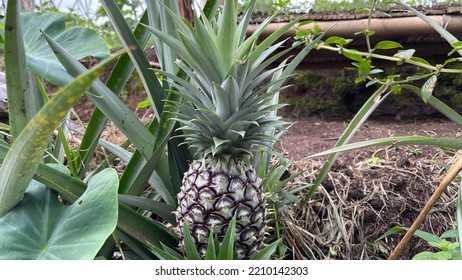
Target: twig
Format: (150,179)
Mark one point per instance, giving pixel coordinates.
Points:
(455,168)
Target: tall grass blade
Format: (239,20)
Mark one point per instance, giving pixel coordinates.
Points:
(150,82)
(135,250)
(161,209)
(190,248)
(17,78)
(445,142)
(267,252)
(162,255)
(358,120)
(161,19)
(142,229)
(227,246)
(422,234)
(226,40)
(459,215)
(443,32)
(444,109)
(210,8)
(211,249)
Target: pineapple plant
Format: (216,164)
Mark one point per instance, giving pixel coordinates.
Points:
(227,114)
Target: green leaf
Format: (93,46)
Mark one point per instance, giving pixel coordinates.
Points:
(41,227)
(161,209)
(451,60)
(396,89)
(358,80)
(17,81)
(339,41)
(219,142)
(227,246)
(302,33)
(143,104)
(305,22)
(364,68)
(267,252)
(162,254)
(375,71)
(428,87)
(386,45)
(452,233)
(451,39)
(457,46)
(172,251)
(372,82)
(459,216)
(226,40)
(161,16)
(428,237)
(447,111)
(433,256)
(415,77)
(352,56)
(210,8)
(443,142)
(142,229)
(25,154)
(362,10)
(445,245)
(420,60)
(405,54)
(189,244)
(79,42)
(211,249)
(150,82)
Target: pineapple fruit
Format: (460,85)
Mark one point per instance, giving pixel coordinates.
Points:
(226,116)
(216,189)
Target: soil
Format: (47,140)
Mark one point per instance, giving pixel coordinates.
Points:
(366,192)
(309,135)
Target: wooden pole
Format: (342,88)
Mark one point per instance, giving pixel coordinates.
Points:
(455,168)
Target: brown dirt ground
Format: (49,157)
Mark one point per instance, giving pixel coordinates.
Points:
(311,134)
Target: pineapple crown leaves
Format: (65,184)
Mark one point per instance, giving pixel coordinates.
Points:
(225,108)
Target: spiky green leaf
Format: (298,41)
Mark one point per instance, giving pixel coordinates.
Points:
(227,246)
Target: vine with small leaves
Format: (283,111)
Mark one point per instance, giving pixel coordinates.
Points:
(370,74)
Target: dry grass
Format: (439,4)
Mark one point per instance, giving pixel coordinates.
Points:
(359,201)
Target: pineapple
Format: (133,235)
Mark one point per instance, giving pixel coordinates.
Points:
(214,190)
(226,116)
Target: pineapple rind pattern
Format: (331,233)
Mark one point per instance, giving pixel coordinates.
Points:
(213,191)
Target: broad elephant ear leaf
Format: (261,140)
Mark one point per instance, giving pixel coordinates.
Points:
(78,41)
(41,227)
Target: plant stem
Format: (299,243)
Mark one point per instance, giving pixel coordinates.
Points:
(453,171)
(389,58)
(369,19)
(277,229)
